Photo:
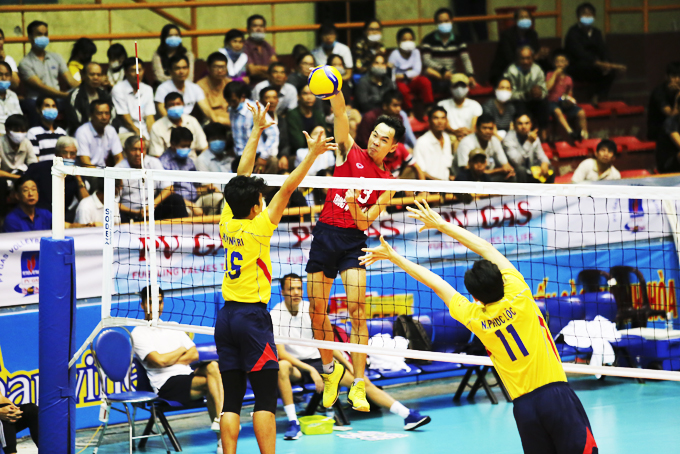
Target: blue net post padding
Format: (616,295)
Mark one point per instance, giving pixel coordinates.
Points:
(57,328)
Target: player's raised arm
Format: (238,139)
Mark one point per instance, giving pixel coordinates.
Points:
(385,252)
(280,201)
(433,220)
(341,128)
(260,123)
(364,219)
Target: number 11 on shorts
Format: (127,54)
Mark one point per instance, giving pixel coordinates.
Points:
(513,332)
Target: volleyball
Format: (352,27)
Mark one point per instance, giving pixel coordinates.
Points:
(325,81)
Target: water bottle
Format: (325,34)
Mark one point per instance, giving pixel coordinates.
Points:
(330,413)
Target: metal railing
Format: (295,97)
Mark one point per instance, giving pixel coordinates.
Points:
(645,9)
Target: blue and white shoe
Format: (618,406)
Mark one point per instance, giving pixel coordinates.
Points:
(415,420)
(293,432)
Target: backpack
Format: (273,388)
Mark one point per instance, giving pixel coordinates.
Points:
(413,330)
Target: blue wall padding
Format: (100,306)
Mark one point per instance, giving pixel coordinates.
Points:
(57,342)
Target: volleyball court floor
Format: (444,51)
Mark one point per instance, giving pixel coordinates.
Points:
(627,418)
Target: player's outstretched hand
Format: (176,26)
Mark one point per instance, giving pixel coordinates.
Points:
(260,119)
(374,254)
(320,146)
(424,213)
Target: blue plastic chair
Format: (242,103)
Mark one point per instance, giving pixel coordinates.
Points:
(113,352)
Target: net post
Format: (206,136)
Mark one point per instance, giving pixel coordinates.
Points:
(107,287)
(58,200)
(153,276)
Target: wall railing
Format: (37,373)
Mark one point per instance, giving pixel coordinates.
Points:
(645,9)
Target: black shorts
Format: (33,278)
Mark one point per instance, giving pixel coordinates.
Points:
(177,389)
(335,249)
(551,420)
(245,338)
(316,364)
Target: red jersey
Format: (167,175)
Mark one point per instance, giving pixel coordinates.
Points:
(358,165)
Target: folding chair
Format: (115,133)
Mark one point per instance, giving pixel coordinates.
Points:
(476,348)
(623,293)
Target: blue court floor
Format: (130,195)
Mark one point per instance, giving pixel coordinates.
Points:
(627,418)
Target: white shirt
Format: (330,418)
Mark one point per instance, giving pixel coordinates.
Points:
(98,147)
(134,191)
(298,327)
(495,156)
(161,130)
(234,68)
(148,339)
(8,106)
(587,171)
(433,158)
(12,64)
(322,162)
(411,67)
(338,49)
(461,116)
(91,210)
(288,96)
(191,95)
(210,162)
(126,103)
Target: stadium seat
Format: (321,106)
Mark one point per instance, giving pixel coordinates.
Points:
(480,90)
(589,144)
(594,112)
(548,150)
(448,334)
(632,144)
(564,150)
(379,326)
(561,310)
(564,179)
(636,173)
(601,303)
(620,108)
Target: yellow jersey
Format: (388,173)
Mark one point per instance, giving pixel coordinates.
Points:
(515,335)
(247,263)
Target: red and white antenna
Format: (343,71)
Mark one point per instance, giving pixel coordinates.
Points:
(139,103)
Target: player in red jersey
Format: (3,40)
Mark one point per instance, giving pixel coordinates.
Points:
(338,241)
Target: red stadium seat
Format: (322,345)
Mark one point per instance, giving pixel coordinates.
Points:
(589,144)
(637,173)
(592,112)
(564,150)
(564,179)
(632,144)
(548,150)
(621,108)
(481,90)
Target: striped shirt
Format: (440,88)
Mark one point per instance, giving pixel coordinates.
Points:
(241,126)
(442,57)
(44,142)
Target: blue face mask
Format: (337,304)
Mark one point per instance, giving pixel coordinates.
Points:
(183,152)
(328,46)
(69,162)
(173,41)
(524,24)
(586,20)
(175,112)
(41,41)
(217,146)
(4,85)
(445,27)
(50,114)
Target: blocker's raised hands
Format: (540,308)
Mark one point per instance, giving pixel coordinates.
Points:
(426,215)
(260,118)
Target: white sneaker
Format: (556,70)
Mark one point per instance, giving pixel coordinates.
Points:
(219,447)
(215,426)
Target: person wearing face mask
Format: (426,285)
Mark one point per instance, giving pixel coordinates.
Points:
(500,107)
(217,158)
(16,151)
(373,85)
(276,78)
(237,59)
(260,53)
(176,117)
(97,139)
(406,67)
(441,49)
(170,46)
(180,83)
(78,106)
(81,55)
(530,93)
(329,45)
(9,60)
(589,55)
(116,54)
(367,46)
(44,137)
(461,111)
(9,102)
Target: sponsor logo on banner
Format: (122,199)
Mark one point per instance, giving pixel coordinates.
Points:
(30,273)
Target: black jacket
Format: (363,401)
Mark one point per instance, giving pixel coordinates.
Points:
(78,108)
(583,49)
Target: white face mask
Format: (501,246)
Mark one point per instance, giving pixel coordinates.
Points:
(16,137)
(460,92)
(375,38)
(407,46)
(503,95)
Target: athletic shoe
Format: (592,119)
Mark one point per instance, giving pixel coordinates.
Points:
(331,382)
(215,426)
(357,397)
(219,447)
(293,432)
(415,420)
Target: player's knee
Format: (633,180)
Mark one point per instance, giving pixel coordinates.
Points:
(264,385)
(213,368)
(284,368)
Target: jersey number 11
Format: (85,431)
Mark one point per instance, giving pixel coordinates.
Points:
(513,332)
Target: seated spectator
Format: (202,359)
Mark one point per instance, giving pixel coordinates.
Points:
(216,158)
(175,118)
(373,85)
(179,83)
(9,60)
(368,46)
(525,153)
(26,217)
(291,318)
(81,55)
(668,142)
(476,170)
(166,354)
(305,117)
(433,150)
(176,157)
(298,49)
(40,71)
(272,152)
(116,54)
(589,55)
(391,106)
(599,168)
(14,419)
(406,65)
(330,46)
(170,47)
(338,63)
(520,34)
(90,210)
(236,94)
(562,103)
(9,102)
(16,151)
(133,193)
(661,101)
(260,53)
(500,107)
(529,90)
(276,78)
(402,164)
(127,102)
(237,59)
(299,77)
(498,168)
(44,137)
(213,86)
(97,139)
(321,163)
(78,107)
(461,111)
(440,50)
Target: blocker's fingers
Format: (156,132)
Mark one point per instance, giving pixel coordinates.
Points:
(427,205)
(306,135)
(266,107)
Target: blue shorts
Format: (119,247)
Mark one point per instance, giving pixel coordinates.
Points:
(551,420)
(245,338)
(570,112)
(335,249)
